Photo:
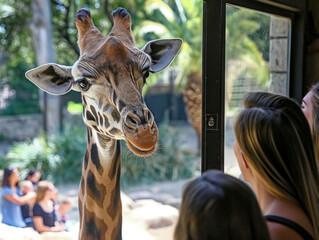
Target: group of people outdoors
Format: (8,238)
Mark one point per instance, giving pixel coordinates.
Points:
(276,146)
(32,202)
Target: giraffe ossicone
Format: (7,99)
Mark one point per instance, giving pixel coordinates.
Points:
(110,74)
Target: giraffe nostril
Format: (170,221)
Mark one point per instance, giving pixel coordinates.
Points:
(132,121)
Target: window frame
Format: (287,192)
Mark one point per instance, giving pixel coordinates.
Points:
(213,85)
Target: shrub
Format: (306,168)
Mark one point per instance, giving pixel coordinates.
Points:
(168,164)
(59,158)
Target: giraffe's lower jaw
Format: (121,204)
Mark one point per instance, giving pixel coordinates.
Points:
(140,152)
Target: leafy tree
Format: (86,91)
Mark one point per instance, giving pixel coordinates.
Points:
(183,19)
(16,57)
(247,48)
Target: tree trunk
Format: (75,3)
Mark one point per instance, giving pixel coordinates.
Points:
(193,102)
(41,31)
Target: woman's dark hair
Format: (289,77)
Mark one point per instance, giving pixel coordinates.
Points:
(31,173)
(7,173)
(219,206)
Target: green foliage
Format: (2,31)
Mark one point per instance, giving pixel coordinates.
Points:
(59,158)
(70,146)
(16,57)
(247,39)
(176,19)
(74,108)
(168,164)
(4,163)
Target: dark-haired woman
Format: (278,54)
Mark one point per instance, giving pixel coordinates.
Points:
(221,207)
(11,199)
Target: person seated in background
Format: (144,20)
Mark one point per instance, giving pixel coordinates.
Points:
(11,199)
(26,186)
(219,206)
(273,147)
(310,107)
(34,176)
(44,216)
(62,208)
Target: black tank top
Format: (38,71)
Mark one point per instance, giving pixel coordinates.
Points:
(299,229)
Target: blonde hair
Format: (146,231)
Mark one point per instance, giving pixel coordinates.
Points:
(219,206)
(43,186)
(24,184)
(315,120)
(274,136)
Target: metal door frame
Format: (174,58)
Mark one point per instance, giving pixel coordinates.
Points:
(213,115)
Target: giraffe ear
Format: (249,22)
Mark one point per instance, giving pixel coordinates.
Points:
(162,52)
(52,78)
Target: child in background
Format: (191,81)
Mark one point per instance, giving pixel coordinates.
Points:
(26,187)
(62,208)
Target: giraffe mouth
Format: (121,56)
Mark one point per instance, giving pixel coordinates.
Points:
(140,152)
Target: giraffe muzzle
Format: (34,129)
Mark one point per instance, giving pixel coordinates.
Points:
(141,133)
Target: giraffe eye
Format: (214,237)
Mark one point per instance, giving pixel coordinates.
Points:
(145,75)
(84,84)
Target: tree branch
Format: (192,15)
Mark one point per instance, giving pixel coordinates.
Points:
(107,11)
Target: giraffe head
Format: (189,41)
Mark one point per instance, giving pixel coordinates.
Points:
(110,74)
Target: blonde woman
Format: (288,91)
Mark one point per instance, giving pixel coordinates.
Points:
(44,215)
(275,153)
(310,107)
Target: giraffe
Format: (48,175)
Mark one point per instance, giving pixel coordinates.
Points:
(110,74)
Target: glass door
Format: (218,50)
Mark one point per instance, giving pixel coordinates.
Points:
(247,46)
(256,59)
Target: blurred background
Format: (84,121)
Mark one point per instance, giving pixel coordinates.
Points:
(46,132)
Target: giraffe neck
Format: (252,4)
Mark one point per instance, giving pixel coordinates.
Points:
(99,194)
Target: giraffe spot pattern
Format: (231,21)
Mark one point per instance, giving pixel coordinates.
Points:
(89,116)
(116,116)
(114,74)
(95,159)
(86,160)
(106,122)
(95,228)
(121,105)
(84,100)
(106,107)
(95,128)
(115,172)
(100,119)
(117,233)
(95,190)
(82,185)
(114,97)
(94,112)
(115,198)
(114,131)
(89,134)
(116,160)
(107,79)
